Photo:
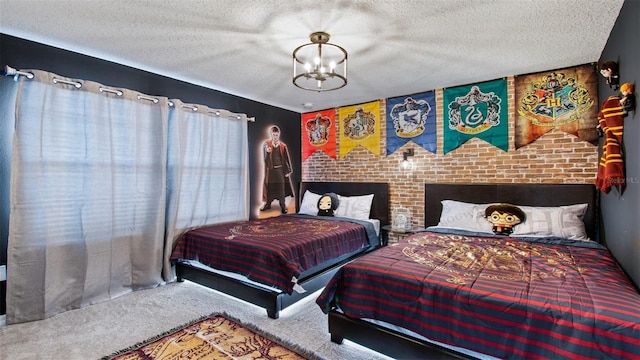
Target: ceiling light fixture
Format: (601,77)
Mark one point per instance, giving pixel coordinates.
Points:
(319,65)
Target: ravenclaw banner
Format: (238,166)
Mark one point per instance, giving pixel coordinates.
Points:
(411,118)
(478,110)
(319,133)
(564,99)
(360,125)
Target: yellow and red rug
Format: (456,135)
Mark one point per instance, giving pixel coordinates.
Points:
(217,336)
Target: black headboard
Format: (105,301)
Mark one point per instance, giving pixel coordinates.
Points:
(519,194)
(379,207)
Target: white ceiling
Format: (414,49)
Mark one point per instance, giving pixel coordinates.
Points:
(396,47)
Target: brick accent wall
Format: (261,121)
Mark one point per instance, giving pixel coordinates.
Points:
(556,157)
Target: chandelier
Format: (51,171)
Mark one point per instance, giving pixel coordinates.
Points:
(319,65)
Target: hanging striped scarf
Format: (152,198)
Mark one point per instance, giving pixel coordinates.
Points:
(611,168)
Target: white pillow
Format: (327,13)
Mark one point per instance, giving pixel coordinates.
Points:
(354,207)
(559,221)
(309,204)
(464,216)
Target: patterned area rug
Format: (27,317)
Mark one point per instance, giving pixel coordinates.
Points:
(217,336)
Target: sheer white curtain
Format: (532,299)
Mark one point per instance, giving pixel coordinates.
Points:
(207,177)
(88,195)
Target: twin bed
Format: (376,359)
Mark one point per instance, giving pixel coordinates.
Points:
(458,291)
(275,262)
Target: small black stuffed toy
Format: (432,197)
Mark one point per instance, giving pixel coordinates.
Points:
(327,204)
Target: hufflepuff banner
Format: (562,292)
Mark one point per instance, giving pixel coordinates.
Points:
(411,118)
(319,133)
(564,99)
(360,125)
(478,110)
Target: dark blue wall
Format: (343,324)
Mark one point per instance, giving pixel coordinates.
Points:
(620,228)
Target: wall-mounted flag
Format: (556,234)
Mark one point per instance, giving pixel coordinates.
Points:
(563,99)
(411,118)
(360,125)
(478,110)
(319,133)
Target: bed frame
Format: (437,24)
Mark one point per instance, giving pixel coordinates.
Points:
(274,301)
(402,346)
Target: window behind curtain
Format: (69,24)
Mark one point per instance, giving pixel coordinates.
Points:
(88,194)
(207,170)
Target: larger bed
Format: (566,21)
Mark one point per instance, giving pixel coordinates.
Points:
(460,292)
(275,262)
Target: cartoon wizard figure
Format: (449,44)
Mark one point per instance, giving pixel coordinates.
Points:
(628,98)
(327,204)
(504,217)
(609,69)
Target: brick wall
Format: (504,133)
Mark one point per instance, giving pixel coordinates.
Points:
(556,157)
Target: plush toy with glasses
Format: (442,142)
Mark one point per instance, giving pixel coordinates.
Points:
(504,217)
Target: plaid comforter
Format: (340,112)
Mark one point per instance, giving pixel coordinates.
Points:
(274,250)
(510,298)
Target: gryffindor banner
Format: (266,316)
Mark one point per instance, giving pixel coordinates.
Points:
(564,99)
(360,125)
(319,133)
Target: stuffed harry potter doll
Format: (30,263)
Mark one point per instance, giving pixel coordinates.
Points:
(327,204)
(609,69)
(504,217)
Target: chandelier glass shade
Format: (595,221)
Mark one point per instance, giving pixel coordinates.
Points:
(319,65)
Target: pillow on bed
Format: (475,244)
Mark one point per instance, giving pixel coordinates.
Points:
(309,203)
(560,221)
(464,216)
(354,207)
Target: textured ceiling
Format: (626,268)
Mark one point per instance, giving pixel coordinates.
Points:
(244,47)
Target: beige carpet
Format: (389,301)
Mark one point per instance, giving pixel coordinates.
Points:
(100,330)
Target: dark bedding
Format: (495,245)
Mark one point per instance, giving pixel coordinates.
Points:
(547,298)
(275,250)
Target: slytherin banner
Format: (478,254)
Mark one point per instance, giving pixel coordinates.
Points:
(564,99)
(478,110)
(360,125)
(319,133)
(411,118)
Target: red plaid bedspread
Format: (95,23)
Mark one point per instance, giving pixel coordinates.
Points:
(509,298)
(272,251)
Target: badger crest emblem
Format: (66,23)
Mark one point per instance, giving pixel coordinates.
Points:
(475,112)
(555,100)
(359,124)
(318,130)
(410,117)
